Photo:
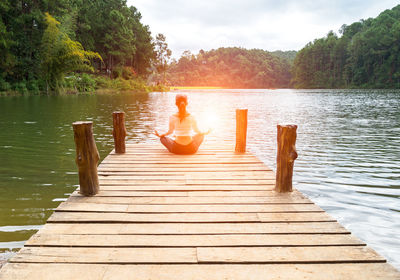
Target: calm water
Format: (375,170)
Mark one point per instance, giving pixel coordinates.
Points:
(348,145)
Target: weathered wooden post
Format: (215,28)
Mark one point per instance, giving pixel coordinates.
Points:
(241,130)
(87,157)
(119,132)
(286,154)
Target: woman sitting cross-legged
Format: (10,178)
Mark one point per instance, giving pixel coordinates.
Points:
(181,124)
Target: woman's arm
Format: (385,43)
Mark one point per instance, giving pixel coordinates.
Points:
(196,129)
(170,130)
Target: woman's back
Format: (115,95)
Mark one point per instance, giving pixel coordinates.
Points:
(182,127)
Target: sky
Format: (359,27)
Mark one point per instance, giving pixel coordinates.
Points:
(262,24)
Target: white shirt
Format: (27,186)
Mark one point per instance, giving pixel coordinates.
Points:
(184,127)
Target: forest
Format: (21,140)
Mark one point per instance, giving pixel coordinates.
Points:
(43,42)
(366,55)
(232,68)
(76,46)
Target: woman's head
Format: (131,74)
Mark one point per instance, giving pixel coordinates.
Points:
(181,102)
(179,98)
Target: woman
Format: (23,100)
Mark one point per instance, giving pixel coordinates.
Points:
(181,124)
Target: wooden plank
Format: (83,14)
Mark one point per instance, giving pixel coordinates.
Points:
(74,217)
(183,176)
(190,200)
(334,254)
(141,178)
(175,172)
(177,187)
(349,271)
(51,271)
(248,240)
(331,254)
(128,193)
(189,171)
(216,178)
(237,193)
(214,155)
(243,193)
(105,255)
(111,181)
(142,182)
(155,168)
(230,182)
(210,208)
(204,147)
(295,217)
(164,151)
(193,228)
(183,165)
(173,156)
(180,161)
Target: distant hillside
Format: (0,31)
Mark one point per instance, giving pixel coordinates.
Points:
(288,55)
(233,68)
(367,55)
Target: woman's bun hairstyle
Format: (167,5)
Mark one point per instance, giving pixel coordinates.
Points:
(179,98)
(181,102)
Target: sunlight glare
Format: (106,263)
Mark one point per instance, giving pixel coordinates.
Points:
(208,120)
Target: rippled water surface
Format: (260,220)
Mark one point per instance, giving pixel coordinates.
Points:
(348,144)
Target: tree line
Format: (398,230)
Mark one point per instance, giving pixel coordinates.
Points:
(233,68)
(41,41)
(366,55)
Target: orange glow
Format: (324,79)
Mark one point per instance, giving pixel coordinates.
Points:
(208,120)
(183,88)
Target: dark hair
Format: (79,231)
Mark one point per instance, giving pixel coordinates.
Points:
(181,102)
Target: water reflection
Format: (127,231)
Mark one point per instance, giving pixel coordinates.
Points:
(348,145)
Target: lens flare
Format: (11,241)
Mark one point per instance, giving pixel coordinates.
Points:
(208,120)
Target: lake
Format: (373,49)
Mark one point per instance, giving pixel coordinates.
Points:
(348,145)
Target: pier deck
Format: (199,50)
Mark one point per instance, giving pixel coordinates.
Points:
(213,215)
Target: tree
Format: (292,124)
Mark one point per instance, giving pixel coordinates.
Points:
(163,54)
(60,55)
(6,57)
(366,56)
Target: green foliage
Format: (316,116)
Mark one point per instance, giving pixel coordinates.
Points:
(130,85)
(365,56)
(115,31)
(38,51)
(125,72)
(20,87)
(159,88)
(87,83)
(6,57)
(34,86)
(60,55)
(4,86)
(79,83)
(289,56)
(231,67)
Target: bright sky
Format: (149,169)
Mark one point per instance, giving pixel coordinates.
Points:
(263,24)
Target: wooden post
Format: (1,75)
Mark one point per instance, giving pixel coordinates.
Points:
(241,130)
(87,157)
(286,154)
(119,132)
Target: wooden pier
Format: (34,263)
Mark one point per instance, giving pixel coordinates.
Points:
(213,215)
